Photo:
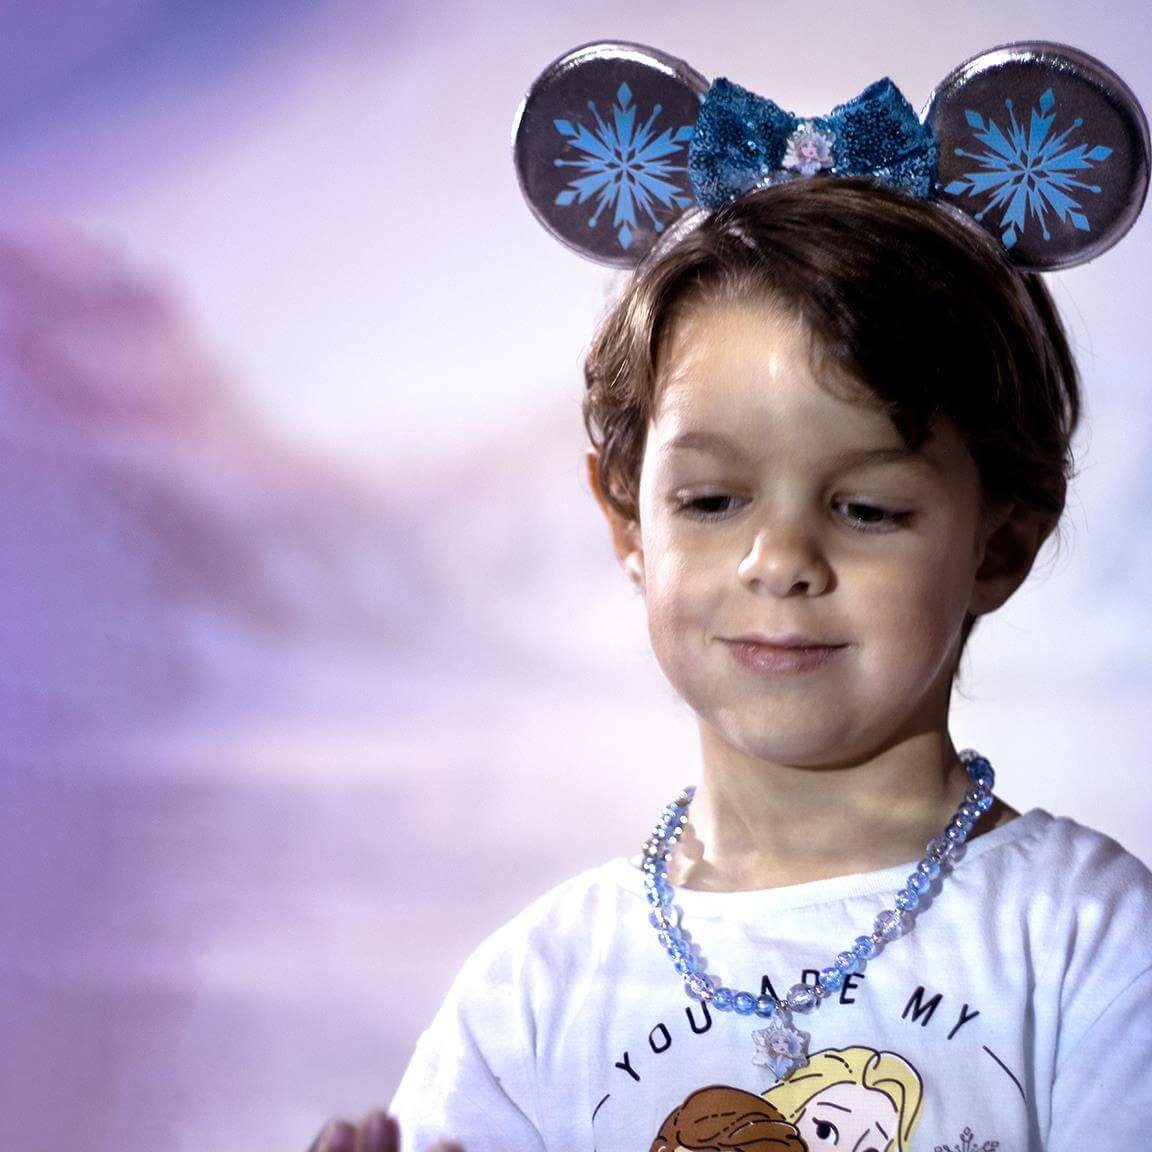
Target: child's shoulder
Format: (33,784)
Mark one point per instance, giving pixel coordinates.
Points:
(556,941)
(553,922)
(1075,855)
(1085,901)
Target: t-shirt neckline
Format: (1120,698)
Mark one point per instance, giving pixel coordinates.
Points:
(885,880)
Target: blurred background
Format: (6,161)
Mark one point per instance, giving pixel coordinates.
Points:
(316,663)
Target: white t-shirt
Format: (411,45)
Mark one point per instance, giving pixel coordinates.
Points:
(1016,1015)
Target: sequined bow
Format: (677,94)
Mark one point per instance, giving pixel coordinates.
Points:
(743,141)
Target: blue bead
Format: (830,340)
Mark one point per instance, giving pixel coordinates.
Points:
(847,962)
(685,963)
(831,978)
(929,867)
(722,999)
(765,1006)
(985,802)
(906,900)
(864,947)
(955,835)
(919,883)
(978,766)
(745,1003)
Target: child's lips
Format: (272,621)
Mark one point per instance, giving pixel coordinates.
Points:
(788,655)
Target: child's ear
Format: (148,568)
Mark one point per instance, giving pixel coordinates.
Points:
(1013,537)
(626,541)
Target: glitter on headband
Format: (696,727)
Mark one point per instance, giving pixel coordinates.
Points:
(741,140)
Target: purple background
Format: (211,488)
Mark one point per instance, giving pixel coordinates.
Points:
(316,662)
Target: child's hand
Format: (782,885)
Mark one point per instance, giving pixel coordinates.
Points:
(376,1132)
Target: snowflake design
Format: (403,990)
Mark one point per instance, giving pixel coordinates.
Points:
(1028,173)
(968,1144)
(625,167)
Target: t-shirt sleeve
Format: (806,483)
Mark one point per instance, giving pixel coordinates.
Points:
(472,1077)
(1102,1097)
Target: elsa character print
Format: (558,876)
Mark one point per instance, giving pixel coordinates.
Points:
(809,150)
(781,1049)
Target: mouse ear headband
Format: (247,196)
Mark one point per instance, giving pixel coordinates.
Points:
(1039,144)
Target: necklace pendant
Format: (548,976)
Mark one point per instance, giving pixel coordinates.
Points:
(781,1047)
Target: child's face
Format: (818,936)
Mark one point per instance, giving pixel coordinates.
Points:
(806,576)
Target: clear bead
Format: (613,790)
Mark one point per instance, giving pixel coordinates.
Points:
(892,924)
(969,812)
(940,848)
(700,986)
(847,962)
(802,998)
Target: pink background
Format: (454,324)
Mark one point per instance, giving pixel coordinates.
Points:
(316,662)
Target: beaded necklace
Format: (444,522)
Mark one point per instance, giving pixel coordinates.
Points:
(792,1052)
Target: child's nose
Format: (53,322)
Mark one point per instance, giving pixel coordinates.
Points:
(785,561)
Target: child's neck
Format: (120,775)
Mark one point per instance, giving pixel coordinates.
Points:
(760,825)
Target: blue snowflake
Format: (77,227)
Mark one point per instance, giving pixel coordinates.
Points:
(625,167)
(1028,173)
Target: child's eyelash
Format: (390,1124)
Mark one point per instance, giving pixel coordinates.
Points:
(864,517)
(710,505)
(859,515)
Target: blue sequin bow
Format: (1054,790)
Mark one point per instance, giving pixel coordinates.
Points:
(744,141)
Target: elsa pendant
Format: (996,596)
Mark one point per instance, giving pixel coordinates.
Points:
(781,1047)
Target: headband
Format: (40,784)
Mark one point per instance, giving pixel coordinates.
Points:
(1041,145)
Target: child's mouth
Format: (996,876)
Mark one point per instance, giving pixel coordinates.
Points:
(783,655)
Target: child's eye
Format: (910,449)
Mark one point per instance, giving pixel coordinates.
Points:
(866,517)
(710,506)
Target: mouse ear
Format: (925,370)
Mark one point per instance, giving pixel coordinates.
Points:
(1044,147)
(601,148)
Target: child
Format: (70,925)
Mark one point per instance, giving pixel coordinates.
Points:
(830,431)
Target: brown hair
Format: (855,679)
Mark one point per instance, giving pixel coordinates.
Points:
(914,303)
(722,1119)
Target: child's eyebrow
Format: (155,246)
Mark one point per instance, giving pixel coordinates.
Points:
(719,444)
(699,442)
